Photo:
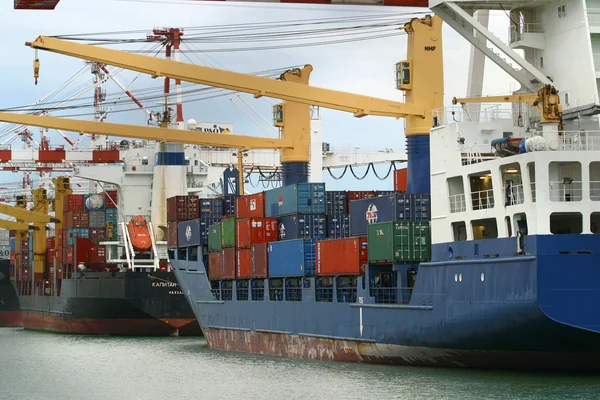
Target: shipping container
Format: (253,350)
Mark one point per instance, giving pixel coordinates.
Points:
(81,219)
(338,226)
(112,227)
(302,226)
(97,219)
(379,193)
(97,255)
(111,198)
(50,242)
(229,205)
(74,233)
(420,207)
(360,194)
(228,233)
(192,207)
(260,258)
(204,224)
(177,208)
(97,235)
(378,209)
(188,233)
(215,265)
(210,208)
(94,202)
(229,262)
(244,263)
(255,230)
(291,258)
(256,205)
(342,256)
(74,202)
(400,180)
(403,241)
(300,198)
(214,238)
(336,202)
(172,234)
(242,207)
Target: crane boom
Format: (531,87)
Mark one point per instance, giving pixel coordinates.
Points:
(359,105)
(16,226)
(145,132)
(26,215)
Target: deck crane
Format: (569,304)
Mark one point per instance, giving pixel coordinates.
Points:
(16,226)
(420,76)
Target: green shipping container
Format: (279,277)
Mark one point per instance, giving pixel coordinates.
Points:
(404,241)
(228,232)
(214,238)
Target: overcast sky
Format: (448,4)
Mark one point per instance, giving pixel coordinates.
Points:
(361,67)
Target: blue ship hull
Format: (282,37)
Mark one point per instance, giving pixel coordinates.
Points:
(477,304)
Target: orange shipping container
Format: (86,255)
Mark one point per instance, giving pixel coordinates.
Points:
(215,265)
(256,205)
(242,207)
(255,230)
(342,256)
(244,263)
(400,179)
(229,260)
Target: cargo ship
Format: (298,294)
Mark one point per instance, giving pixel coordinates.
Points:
(489,260)
(10,313)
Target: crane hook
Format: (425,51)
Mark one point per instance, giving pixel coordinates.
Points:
(36,67)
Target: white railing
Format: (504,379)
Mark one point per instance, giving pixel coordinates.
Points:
(457,203)
(517,196)
(560,191)
(516,32)
(595,190)
(483,199)
(469,113)
(570,141)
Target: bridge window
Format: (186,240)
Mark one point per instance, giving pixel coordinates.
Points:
(531,169)
(595,223)
(459,230)
(520,221)
(566,223)
(484,228)
(565,181)
(512,184)
(595,181)
(456,192)
(482,193)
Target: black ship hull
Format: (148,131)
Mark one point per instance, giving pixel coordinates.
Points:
(10,314)
(109,303)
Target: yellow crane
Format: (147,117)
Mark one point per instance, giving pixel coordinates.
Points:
(16,226)
(546,101)
(420,77)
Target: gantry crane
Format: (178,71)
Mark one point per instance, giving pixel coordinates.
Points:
(420,77)
(16,226)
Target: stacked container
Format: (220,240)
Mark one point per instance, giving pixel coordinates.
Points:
(399,242)
(342,256)
(112,226)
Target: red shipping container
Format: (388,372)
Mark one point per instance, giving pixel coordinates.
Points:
(215,265)
(244,263)
(74,202)
(259,260)
(69,255)
(172,234)
(177,208)
(256,205)
(229,261)
(255,230)
(242,207)
(111,195)
(360,194)
(97,255)
(97,235)
(50,242)
(81,219)
(400,179)
(342,256)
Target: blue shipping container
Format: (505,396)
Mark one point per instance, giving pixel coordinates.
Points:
(188,233)
(336,202)
(338,226)
(77,233)
(378,209)
(420,207)
(112,215)
(290,258)
(211,208)
(13,244)
(302,226)
(204,224)
(301,198)
(229,205)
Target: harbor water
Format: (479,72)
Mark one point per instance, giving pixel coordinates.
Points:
(46,366)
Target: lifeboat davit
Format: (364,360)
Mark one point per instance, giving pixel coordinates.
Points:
(139,234)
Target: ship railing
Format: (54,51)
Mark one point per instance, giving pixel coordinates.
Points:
(457,203)
(568,141)
(517,32)
(514,196)
(293,294)
(595,190)
(324,294)
(346,294)
(258,294)
(566,190)
(242,291)
(275,293)
(227,294)
(473,112)
(387,295)
(482,199)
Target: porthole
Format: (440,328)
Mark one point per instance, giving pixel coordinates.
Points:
(482,277)
(455,277)
(460,277)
